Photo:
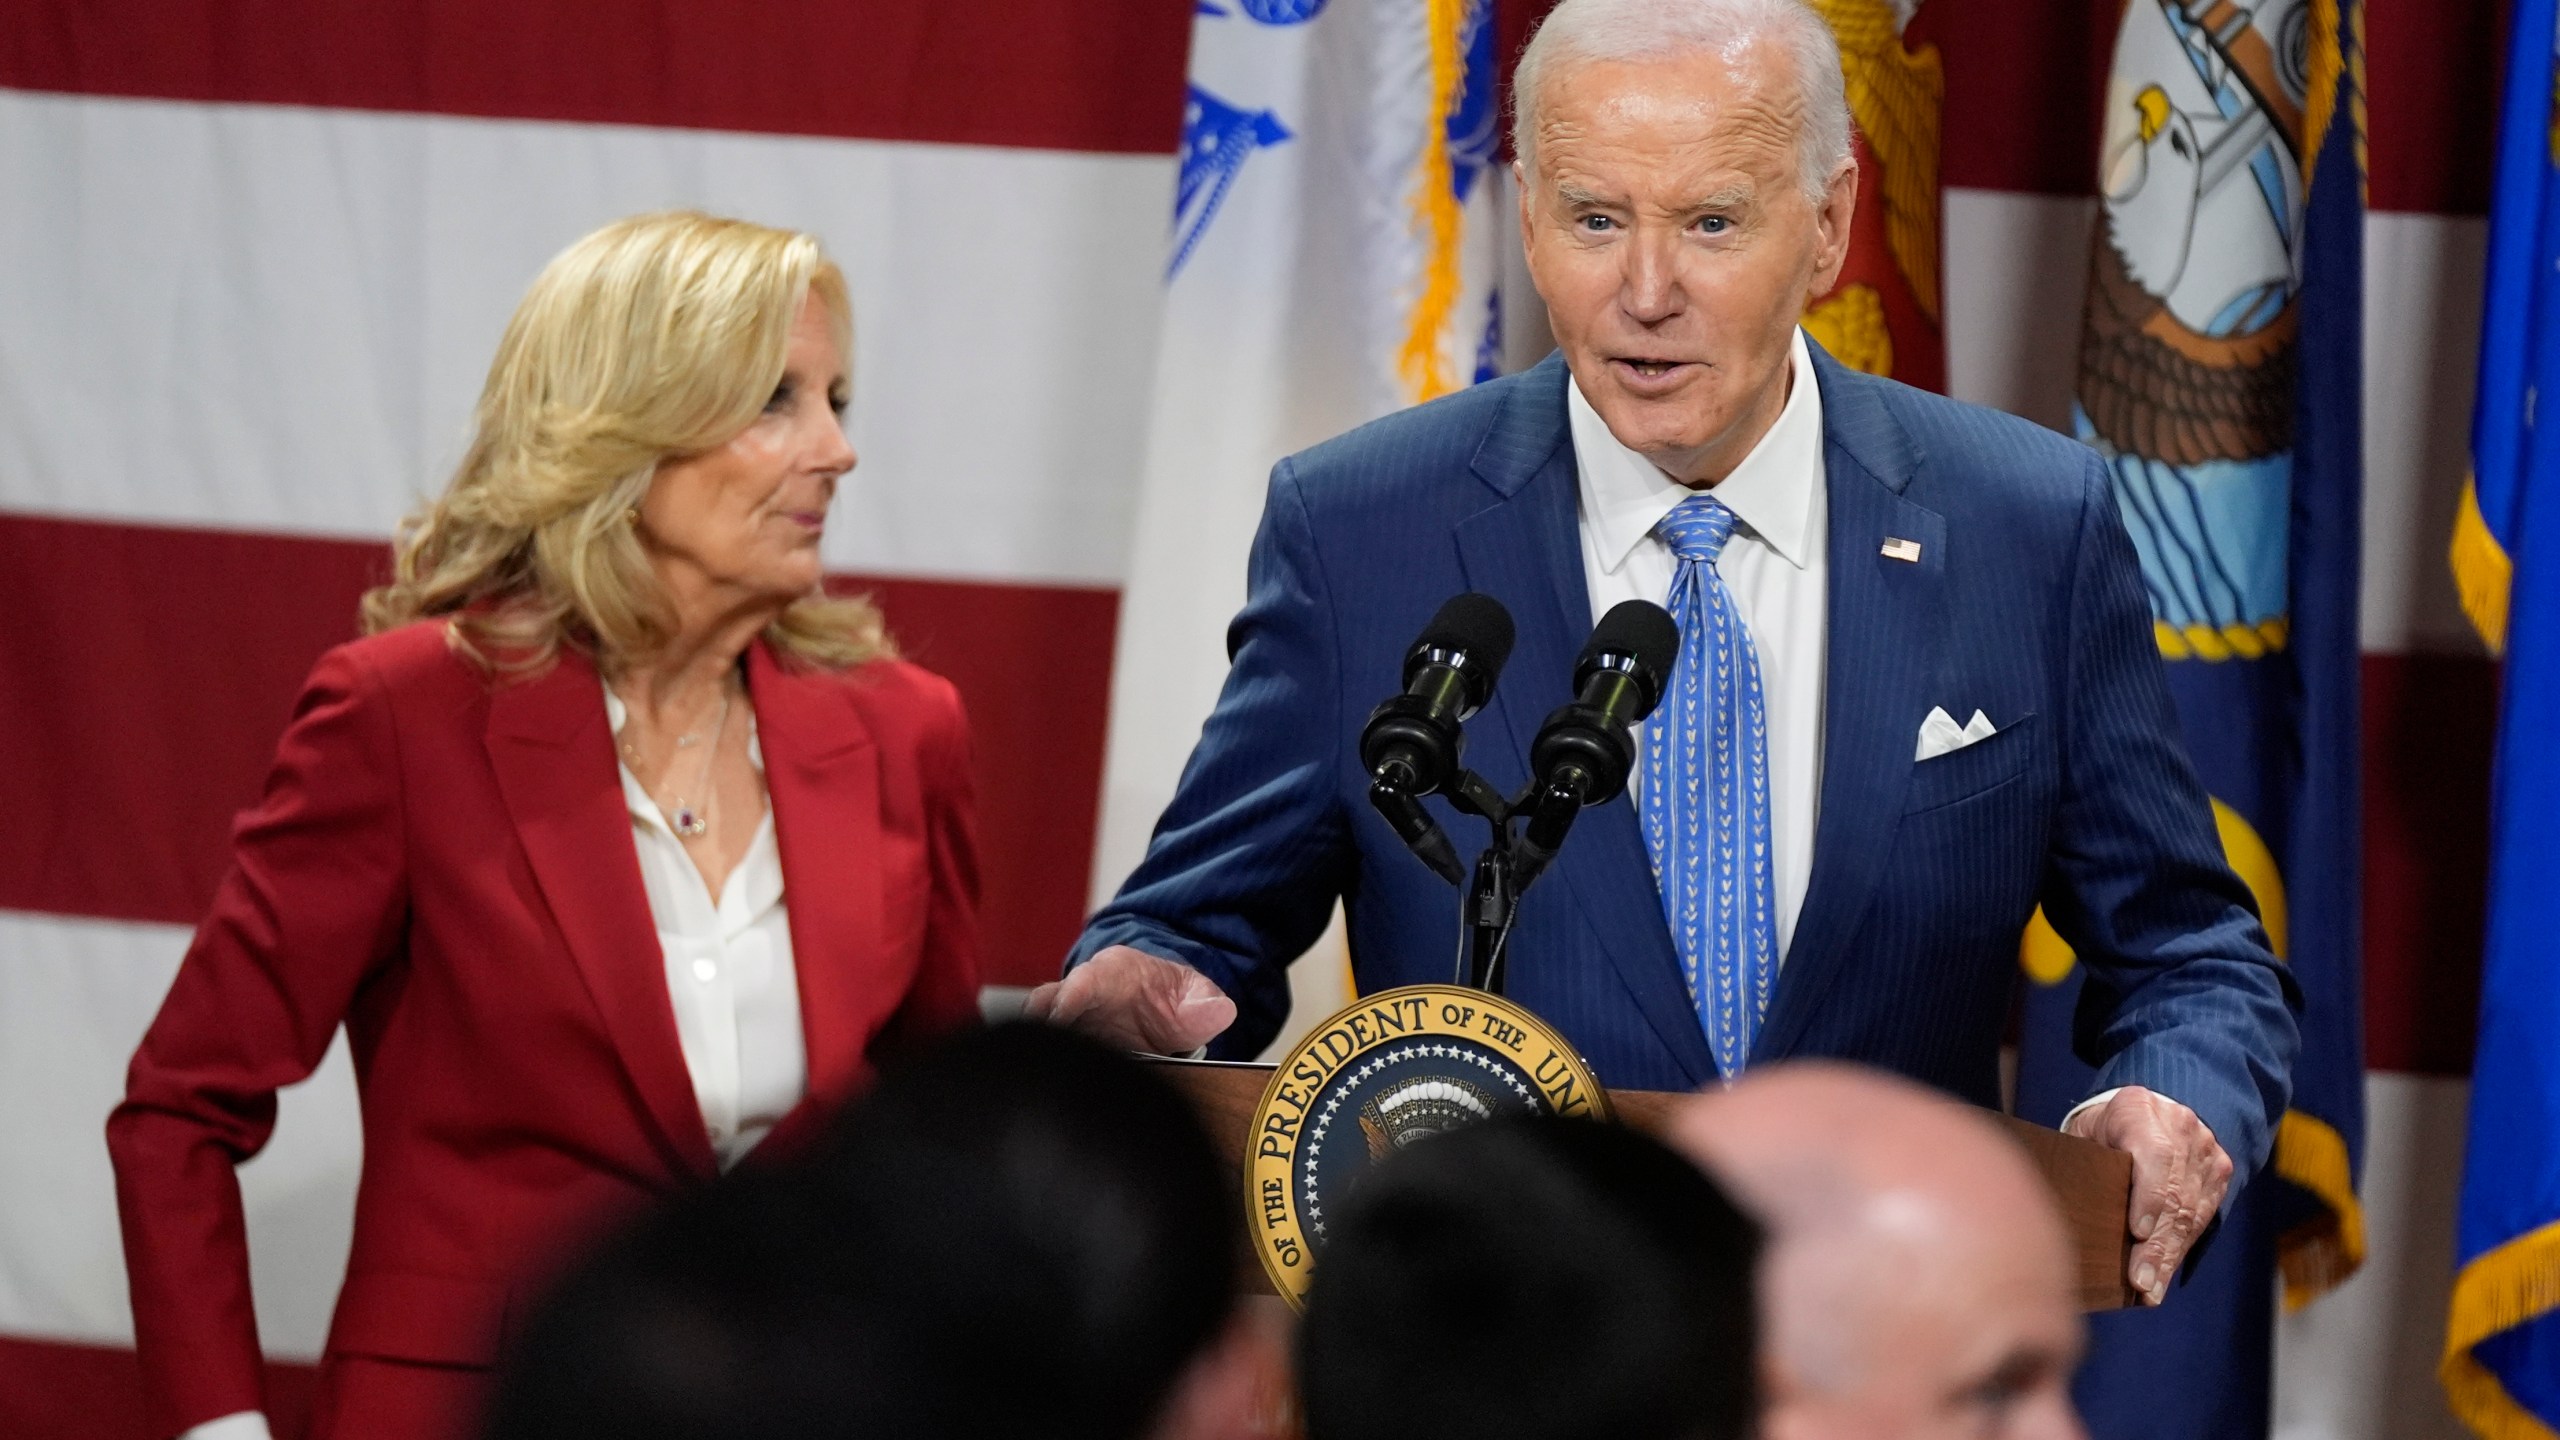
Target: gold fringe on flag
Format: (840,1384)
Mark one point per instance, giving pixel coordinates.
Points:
(2481,570)
(2320,1254)
(2517,1282)
(1421,361)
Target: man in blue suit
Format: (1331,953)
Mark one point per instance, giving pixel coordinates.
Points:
(1917,691)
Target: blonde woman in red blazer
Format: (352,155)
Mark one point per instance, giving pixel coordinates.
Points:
(618,847)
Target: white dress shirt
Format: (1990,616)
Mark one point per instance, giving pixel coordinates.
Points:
(730,973)
(1776,565)
(729,970)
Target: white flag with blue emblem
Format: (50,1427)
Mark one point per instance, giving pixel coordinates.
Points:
(1332,258)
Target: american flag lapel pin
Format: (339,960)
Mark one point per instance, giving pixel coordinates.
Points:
(1897,548)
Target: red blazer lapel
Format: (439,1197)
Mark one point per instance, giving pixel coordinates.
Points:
(553,755)
(822,770)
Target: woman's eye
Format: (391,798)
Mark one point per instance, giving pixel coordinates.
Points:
(781,398)
(839,404)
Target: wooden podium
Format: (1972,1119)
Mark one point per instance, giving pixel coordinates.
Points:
(2092,1184)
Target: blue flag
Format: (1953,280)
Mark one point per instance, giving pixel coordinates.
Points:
(2502,1338)
(2220,376)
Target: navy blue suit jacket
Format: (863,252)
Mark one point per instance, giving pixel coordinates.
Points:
(2026,603)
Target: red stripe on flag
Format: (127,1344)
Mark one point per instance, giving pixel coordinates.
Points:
(1048,74)
(149,672)
(2431,69)
(2429,725)
(53,1391)
(2025,78)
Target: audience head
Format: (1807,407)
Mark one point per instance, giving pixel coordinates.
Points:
(1021,1235)
(660,434)
(1918,1280)
(1542,1279)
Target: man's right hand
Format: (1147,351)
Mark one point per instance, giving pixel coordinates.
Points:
(1131,1000)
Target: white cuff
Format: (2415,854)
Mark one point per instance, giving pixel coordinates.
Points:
(239,1425)
(2101,1098)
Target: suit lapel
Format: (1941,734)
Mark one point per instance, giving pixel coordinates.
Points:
(553,756)
(1886,631)
(822,771)
(1525,549)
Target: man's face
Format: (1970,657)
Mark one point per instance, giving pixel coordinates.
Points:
(1669,233)
(1974,1337)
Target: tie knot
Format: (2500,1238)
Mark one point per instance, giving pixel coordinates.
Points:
(1697,528)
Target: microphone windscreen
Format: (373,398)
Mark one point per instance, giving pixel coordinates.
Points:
(1637,628)
(1477,624)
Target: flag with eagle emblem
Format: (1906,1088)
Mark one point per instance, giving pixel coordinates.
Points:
(2220,377)
(1339,200)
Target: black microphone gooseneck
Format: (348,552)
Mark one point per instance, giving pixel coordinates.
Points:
(1585,750)
(1412,743)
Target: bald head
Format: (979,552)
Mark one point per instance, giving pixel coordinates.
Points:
(1918,1280)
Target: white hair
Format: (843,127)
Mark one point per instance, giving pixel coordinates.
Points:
(1592,30)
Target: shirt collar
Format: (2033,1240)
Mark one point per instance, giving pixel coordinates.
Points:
(1624,495)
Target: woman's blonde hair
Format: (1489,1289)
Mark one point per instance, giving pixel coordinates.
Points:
(655,337)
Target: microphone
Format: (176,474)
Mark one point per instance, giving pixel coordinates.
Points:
(1411,744)
(1584,751)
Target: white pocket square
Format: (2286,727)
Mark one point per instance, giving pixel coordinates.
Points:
(1940,734)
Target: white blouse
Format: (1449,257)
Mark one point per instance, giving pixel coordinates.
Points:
(729,970)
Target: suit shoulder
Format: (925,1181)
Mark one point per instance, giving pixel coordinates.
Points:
(899,697)
(1412,447)
(415,658)
(1990,454)
(902,683)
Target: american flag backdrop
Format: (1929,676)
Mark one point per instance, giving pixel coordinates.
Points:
(255,255)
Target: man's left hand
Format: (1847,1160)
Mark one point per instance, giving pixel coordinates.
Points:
(2180,1174)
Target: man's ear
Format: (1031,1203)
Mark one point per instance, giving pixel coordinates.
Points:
(1831,230)
(1520,185)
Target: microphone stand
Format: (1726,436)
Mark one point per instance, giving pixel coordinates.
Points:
(1493,895)
(1503,871)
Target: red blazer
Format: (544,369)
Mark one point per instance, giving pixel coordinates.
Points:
(446,866)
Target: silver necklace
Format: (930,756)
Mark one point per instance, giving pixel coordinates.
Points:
(690,823)
(687,821)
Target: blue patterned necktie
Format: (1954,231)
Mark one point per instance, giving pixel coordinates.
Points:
(1706,794)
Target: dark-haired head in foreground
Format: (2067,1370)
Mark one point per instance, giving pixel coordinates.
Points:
(1021,1235)
(1533,1279)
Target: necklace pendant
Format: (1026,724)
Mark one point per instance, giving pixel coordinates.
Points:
(689,823)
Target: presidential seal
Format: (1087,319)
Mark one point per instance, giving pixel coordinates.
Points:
(1390,1071)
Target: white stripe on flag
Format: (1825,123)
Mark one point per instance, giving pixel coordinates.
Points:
(2360,1364)
(267,318)
(75,997)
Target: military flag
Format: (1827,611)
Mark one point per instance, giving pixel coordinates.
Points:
(2501,1367)
(2220,377)
(1332,258)
(1882,315)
